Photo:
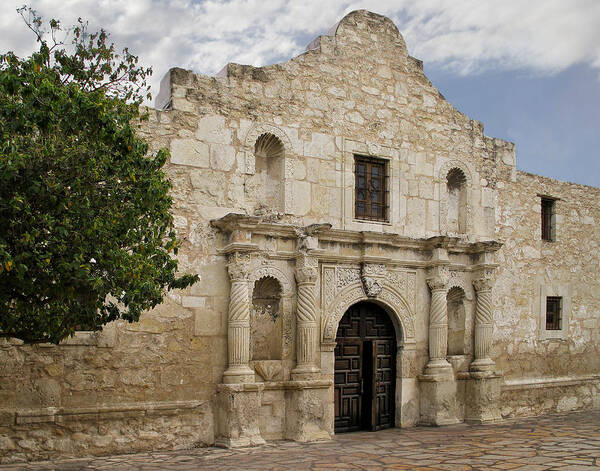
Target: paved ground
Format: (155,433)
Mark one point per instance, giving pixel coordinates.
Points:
(567,442)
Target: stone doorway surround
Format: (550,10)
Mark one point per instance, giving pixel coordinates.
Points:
(322,272)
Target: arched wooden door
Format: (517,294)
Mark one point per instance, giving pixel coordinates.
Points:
(365,370)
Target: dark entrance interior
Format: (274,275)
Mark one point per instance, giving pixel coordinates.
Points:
(365,370)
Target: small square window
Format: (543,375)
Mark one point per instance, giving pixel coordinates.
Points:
(553,313)
(371,199)
(548,219)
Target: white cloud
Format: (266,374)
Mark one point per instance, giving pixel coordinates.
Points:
(467,36)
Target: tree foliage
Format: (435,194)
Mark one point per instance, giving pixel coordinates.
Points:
(86,234)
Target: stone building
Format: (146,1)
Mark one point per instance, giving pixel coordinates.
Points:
(368,258)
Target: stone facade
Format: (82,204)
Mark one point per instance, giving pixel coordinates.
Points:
(262,165)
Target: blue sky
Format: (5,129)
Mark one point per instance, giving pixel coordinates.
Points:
(530,71)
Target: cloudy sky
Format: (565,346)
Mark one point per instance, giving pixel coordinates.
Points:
(529,70)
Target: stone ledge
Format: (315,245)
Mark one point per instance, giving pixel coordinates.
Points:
(105,412)
(540,383)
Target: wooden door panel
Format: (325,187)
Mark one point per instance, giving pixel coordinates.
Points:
(365,357)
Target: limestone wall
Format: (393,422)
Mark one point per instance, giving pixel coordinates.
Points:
(529,270)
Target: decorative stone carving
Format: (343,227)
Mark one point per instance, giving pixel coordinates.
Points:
(373,269)
(371,286)
(306,269)
(403,281)
(268,370)
(369,276)
(238,264)
(347,276)
(353,294)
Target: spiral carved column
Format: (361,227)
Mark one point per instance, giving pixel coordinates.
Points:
(438,326)
(483,325)
(238,328)
(306,320)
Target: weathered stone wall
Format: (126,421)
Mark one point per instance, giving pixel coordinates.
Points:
(529,270)
(152,384)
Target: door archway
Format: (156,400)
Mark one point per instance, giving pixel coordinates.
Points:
(365,369)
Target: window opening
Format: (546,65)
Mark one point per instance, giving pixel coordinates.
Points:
(553,313)
(548,219)
(371,196)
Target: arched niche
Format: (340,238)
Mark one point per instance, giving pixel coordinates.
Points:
(268,151)
(269,271)
(455,198)
(266,320)
(455,300)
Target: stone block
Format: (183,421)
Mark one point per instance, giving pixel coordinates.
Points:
(222,157)
(321,146)
(309,411)
(212,129)
(189,152)
(439,404)
(482,399)
(238,412)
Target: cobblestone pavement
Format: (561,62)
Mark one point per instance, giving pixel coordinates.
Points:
(567,442)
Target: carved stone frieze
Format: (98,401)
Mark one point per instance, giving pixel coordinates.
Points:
(346,277)
(403,282)
(373,269)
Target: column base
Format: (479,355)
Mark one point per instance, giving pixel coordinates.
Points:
(483,365)
(438,400)
(309,410)
(439,368)
(238,374)
(482,398)
(305,373)
(238,408)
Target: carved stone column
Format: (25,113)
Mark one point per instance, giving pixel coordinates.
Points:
(238,329)
(306,319)
(483,324)
(438,324)
(482,394)
(438,388)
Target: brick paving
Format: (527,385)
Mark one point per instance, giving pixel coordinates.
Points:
(566,442)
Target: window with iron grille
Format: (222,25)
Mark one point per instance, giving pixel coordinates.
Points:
(548,219)
(371,200)
(553,313)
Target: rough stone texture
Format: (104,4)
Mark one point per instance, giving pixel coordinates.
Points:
(267,155)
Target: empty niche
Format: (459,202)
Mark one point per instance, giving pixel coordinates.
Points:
(456,321)
(266,320)
(457,201)
(269,158)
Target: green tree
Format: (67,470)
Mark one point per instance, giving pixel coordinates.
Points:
(86,233)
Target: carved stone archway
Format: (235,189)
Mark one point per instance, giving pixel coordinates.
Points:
(393,303)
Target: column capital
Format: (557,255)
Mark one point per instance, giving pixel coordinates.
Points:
(306,268)
(484,280)
(438,278)
(238,266)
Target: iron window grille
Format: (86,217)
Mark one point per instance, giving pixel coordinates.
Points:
(548,219)
(553,313)
(371,198)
